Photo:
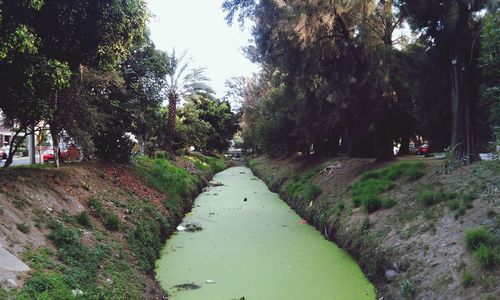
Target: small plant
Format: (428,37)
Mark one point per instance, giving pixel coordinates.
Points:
(97,207)
(467,279)
(112,222)
(23,227)
(406,287)
(84,219)
(476,237)
(365,225)
(486,256)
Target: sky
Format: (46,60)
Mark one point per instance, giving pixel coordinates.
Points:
(198,26)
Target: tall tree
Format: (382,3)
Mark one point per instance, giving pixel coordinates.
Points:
(450,26)
(183,80)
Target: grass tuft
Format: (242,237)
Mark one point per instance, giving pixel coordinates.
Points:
(476,237)
(487,256)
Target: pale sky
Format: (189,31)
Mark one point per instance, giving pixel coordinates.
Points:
(198,26)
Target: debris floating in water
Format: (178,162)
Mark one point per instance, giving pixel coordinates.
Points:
(303,221)
(180,228)
(245,199)
(187,286)
(209,281)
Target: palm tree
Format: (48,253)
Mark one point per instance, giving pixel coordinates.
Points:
(182,81)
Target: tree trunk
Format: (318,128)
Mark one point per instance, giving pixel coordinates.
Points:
(404,149)
(14,144)
(461,135)
(55,143)
(172,112)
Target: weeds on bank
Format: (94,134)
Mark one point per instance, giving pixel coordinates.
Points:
(301,186)
(367,191)
(484,246)
(164,176)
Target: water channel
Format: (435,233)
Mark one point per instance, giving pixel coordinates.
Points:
(256,249)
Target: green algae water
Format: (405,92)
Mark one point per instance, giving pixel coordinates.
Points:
(256,249)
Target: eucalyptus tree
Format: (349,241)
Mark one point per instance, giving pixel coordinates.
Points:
(183,80)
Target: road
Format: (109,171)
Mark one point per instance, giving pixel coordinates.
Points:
(20,161)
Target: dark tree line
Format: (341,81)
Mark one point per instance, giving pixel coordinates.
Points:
(89,70)
(339,77)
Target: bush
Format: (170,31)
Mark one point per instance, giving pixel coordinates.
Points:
(84,219)
(476,237)
(486,256)
(44,285)
(112,222)
(23,227)
(97,207)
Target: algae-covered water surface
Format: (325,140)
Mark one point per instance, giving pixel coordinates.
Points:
(253,245)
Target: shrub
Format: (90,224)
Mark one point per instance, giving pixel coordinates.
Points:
(486,256)
(112,222)
(476,237)
(23,227)
(84,219)
(97,207)
(44,285)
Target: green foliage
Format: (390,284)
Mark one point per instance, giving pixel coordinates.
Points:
(429,197)
(467,279)
(301,187)
(476,237)
(112,222)
(487,256)
(149,234)
(366,192)
(46,285)
(23,227)
(84,219)
(164,176)
(96,206)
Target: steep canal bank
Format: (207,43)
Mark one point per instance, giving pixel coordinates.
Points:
(257,249)
(410,240)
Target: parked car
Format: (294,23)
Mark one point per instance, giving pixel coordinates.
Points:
(4,152)
(72,153)
(420,150)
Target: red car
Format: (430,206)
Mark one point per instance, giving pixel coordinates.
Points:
(421,150)
(70,154)
(3,154)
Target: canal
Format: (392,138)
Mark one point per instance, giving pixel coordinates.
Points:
(253,245)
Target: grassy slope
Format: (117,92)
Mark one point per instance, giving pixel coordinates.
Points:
(108,249)
(402,217)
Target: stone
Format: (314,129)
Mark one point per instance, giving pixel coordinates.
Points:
(10,284)
(391,274)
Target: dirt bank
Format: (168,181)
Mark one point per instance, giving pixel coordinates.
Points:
(408,246)
(95,229)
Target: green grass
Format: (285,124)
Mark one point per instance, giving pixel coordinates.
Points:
(366,192)
(164,176)
(432,196)
(476,237)
(487,256)
(23,227)
(301,186)
(467,279)
(409,170)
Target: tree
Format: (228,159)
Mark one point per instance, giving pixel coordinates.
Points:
(450,26)
(489,63)
(182,81)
